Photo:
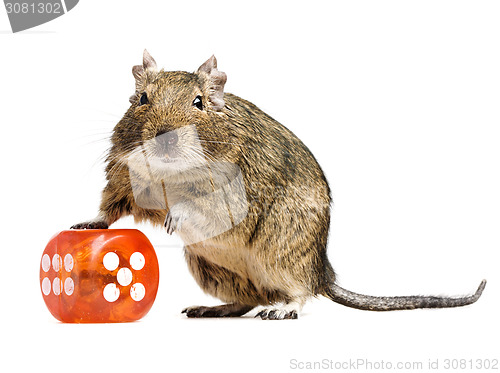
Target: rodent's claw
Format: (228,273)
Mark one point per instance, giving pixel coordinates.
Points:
(172,222)
(169,224)
(277,314)
(91,225)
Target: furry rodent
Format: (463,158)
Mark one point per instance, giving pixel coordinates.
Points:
(244,193)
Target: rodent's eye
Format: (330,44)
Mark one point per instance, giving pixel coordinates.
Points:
(198,103)
(144,99)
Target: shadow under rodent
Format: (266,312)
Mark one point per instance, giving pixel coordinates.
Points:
(247,197)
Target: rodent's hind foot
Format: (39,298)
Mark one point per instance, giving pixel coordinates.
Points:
(225,310)
(91,225)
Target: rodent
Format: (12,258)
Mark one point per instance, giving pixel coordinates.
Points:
(245,194)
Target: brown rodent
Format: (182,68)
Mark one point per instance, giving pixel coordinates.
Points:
(247,197)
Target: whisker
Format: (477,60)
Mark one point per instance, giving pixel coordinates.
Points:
(120,159)
(202,153)
(228,143)
(114,115)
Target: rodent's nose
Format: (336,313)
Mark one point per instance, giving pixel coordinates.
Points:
(166,139)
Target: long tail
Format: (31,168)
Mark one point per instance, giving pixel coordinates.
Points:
(371,303)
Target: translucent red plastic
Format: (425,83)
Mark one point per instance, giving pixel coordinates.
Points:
(99,276)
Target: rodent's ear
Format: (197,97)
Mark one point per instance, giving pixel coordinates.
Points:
(216,81)
(148,63)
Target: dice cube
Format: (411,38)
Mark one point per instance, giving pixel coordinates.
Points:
(99,276)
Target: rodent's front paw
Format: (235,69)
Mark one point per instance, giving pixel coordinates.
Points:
(285,312)
(173,221)
(91,225)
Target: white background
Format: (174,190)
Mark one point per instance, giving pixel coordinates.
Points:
(397,100)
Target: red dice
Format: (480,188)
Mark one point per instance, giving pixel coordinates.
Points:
(102,275)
